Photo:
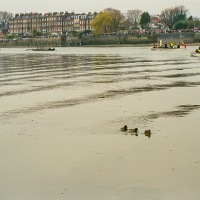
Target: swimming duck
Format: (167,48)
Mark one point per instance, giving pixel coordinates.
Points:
(134,130)
(125,128)
(147,133)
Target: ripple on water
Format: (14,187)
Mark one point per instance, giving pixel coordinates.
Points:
(110,76)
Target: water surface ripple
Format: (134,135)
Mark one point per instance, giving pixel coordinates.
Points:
(77,78)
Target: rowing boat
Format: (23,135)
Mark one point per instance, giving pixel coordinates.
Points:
(44,49)
(170,47)
(165,48)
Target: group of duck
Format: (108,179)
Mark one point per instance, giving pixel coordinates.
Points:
(134,131)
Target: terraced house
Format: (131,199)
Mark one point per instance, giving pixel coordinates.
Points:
(50,22)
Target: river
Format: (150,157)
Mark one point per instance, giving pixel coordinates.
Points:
(60,119)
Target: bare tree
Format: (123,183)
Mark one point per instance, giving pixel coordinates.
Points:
(171,16)
(133,17)
(117,17)
(4,17)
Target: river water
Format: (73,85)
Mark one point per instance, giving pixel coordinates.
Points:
(60,119)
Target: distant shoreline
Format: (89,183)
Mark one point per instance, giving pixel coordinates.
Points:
(105,45)
(132,45)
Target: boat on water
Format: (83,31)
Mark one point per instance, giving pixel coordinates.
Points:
(44,49)
(165,48)
(171,46)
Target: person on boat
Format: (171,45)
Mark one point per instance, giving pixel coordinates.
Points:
(171,44)
(176,46)
(154,45)
(197,50)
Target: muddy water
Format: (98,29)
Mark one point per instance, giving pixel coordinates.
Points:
(60,115)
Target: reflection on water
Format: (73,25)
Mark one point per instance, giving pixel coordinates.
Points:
(98,75)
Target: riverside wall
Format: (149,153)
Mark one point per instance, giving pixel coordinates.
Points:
(103,40)
(117,40)
(176,37)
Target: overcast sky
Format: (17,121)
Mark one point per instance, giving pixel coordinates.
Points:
(79,6)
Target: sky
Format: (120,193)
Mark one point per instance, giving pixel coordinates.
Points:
(153,7)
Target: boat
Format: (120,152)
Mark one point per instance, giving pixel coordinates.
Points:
(170,47)
(166,48)
(44,49)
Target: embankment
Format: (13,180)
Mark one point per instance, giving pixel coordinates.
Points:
(109,40)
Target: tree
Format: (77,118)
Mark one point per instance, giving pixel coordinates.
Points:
(107,21)
(4,17)
(117,18)
(190,22)
(145,20)
(196,22)
(193,22)
(171,16)
(181,24)
(102,23)
(36,33)
(133,16)
(190,18)
(125,24)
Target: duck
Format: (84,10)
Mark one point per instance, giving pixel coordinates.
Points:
(147,133)
(125,128)
(134,130)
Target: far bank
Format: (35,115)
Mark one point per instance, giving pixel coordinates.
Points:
(105,40)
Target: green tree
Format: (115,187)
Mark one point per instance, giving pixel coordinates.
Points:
(73,33)
(102,23)
(193,22)
(196,22)
(181,24)
(190,23)
(36,33)
(190,18)
(145,20)
(171,16)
